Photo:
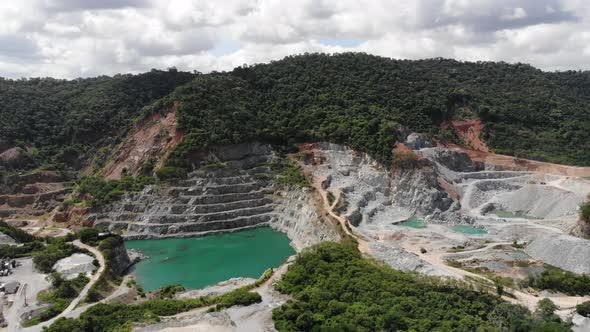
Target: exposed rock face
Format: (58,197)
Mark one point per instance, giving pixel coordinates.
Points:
(455,160)
(14,157)
(419,190)
(372,194)
(582,229)
(152,139)
(5,239)
(297,216)
(417,141)
(32,194)
(564,251)
(119,260)
(232,190)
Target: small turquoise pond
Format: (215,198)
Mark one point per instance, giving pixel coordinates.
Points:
(413,222)
(468,229)
(203,261)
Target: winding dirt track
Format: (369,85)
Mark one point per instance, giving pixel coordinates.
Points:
(564,303)
(530,301)
(82,294)
(363,246)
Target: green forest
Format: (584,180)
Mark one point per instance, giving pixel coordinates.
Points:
(351,98)
(335,289)
(64,123)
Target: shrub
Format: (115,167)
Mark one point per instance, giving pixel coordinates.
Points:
(99,191)
(563,281)
(88,235)
(289,172)
(46,258)
(16,233)
(585,212)
(171,172)
(168,292)
(546,308)
(583,309)
(239,296)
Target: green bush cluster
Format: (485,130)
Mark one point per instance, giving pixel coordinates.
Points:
(167,173)
(27,249)
(239,296)
(289,172)
(120,317)
(88,235)
(168,292)
(335,289)
(52,252)
(585,212)
(60,296)
(562,281)
(16,233)
(583,309)
(98,191)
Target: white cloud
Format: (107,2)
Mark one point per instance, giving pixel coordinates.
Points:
(72,38)
(519,13)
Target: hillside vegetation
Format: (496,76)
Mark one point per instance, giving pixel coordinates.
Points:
(360,100)
(336,289)
(64,123)
(355,99)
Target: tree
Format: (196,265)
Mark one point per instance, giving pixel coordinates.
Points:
(88,235)
(583,309)
(546,309)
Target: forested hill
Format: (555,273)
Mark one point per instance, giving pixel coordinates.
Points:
(359,99)
(352,98)
(65,121)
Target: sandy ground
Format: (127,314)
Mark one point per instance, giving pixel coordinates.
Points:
(71,311)
(32,282)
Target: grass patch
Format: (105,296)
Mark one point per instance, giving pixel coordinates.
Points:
(288,172)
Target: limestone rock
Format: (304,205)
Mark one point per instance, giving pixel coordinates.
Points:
(70,267)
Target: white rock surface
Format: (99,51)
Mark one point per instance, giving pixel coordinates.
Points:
(71,267)
(5,239)
(581,323)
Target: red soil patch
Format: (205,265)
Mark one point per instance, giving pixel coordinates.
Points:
(312,153)
(470,132)
(518,164)
(152,139)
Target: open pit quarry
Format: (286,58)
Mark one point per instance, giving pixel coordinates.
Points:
(232,191)
(234,188)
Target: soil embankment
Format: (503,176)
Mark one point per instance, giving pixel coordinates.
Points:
(151,140)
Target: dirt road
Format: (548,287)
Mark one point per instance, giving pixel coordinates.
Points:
(81,296)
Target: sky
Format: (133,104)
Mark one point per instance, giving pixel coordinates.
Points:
(83,38)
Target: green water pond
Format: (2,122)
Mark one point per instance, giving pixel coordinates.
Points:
(413,222)
(468,229)
(203,261)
